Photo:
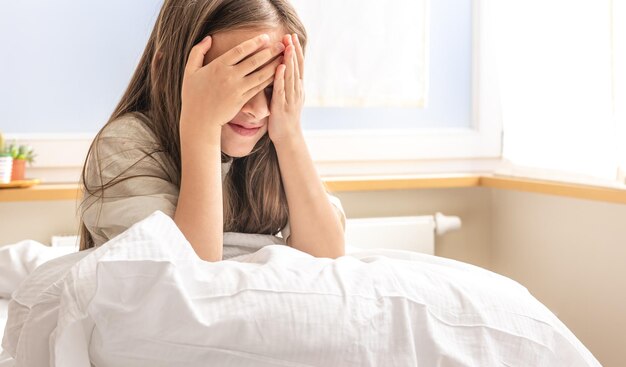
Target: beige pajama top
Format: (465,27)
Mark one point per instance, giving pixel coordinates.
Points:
(121,151)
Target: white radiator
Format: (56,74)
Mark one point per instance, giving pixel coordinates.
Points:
(400,233)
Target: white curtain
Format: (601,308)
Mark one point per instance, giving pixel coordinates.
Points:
(619,70)
(365,53)
(557,82)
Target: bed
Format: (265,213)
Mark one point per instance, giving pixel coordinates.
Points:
(17,262)
(5,358)
(144,298)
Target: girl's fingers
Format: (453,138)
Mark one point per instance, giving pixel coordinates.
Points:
(260,58)
(256,89)
(296,66)
(289,76)
(196,55)
(279,83)
(286,39)
(259,77)
(241,51)
(300,54)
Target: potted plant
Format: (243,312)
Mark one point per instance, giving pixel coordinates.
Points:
(6,162)
(20,154)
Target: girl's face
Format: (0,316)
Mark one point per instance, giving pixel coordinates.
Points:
(241,134)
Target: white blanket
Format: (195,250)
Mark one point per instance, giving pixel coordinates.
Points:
(5,358)
(146,299)
(18,260)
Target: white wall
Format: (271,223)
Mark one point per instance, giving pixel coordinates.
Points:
(37,220)
(571,255)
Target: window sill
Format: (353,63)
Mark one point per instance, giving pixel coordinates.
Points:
(50,192)
(579,191)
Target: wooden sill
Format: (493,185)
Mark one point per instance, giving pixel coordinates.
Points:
(579,191)
(48,192)
(42,192)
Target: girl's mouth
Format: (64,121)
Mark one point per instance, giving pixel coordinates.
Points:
(242,130)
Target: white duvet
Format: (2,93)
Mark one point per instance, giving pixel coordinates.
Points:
(146,299)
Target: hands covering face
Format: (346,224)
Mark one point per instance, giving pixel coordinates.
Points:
(288,94)
(215,90)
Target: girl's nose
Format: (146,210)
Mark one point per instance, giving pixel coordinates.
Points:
(257,107)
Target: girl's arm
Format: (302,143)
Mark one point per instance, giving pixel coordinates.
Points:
(199,212)
(212,95)
(316,227)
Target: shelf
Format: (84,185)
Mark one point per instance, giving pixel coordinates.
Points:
(48,192)
(597,193)
(375,183)
(43,192)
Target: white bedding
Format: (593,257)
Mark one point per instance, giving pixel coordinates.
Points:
(17,261)
(4,309)
(144,298)
(5,358)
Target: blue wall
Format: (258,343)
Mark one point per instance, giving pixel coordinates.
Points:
(65,64)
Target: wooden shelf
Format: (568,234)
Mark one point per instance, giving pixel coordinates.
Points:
(597,193)
(373,183)
(43,192)
(48,192)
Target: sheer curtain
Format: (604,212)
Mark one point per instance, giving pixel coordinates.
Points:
(365,53)
(557,70)
(619,70)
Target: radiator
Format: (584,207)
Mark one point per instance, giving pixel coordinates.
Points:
(401,233)
(416,233)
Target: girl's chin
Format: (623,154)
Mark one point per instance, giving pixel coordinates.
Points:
(237,147)
(237,152)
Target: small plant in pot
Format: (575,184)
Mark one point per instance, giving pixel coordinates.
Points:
(21,154)
(6,162)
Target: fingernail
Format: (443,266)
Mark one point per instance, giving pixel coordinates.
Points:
(280,46)
(265,37)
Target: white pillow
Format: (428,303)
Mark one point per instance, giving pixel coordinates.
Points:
(146,299)
(20,259)
(33,309)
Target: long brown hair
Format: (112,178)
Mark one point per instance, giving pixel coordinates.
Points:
(254,197)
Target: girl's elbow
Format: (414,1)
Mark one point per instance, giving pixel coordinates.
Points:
(210,255)
(338,248)
(211,259)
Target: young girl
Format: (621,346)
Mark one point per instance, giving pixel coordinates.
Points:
(213,139)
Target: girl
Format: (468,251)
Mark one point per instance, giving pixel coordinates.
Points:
(213,140)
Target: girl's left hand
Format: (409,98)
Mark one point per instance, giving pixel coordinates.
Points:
(288,95)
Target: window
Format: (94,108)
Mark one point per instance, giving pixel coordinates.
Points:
(447,48)
(619,91)
(461,120)
(560,88)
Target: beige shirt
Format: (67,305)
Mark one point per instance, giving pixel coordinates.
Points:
(151,186)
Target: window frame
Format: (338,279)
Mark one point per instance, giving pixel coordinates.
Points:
(351,148)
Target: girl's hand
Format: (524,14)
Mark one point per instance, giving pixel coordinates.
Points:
(288,95)
(213,94)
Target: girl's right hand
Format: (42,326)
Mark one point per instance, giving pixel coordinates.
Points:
(213,94)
